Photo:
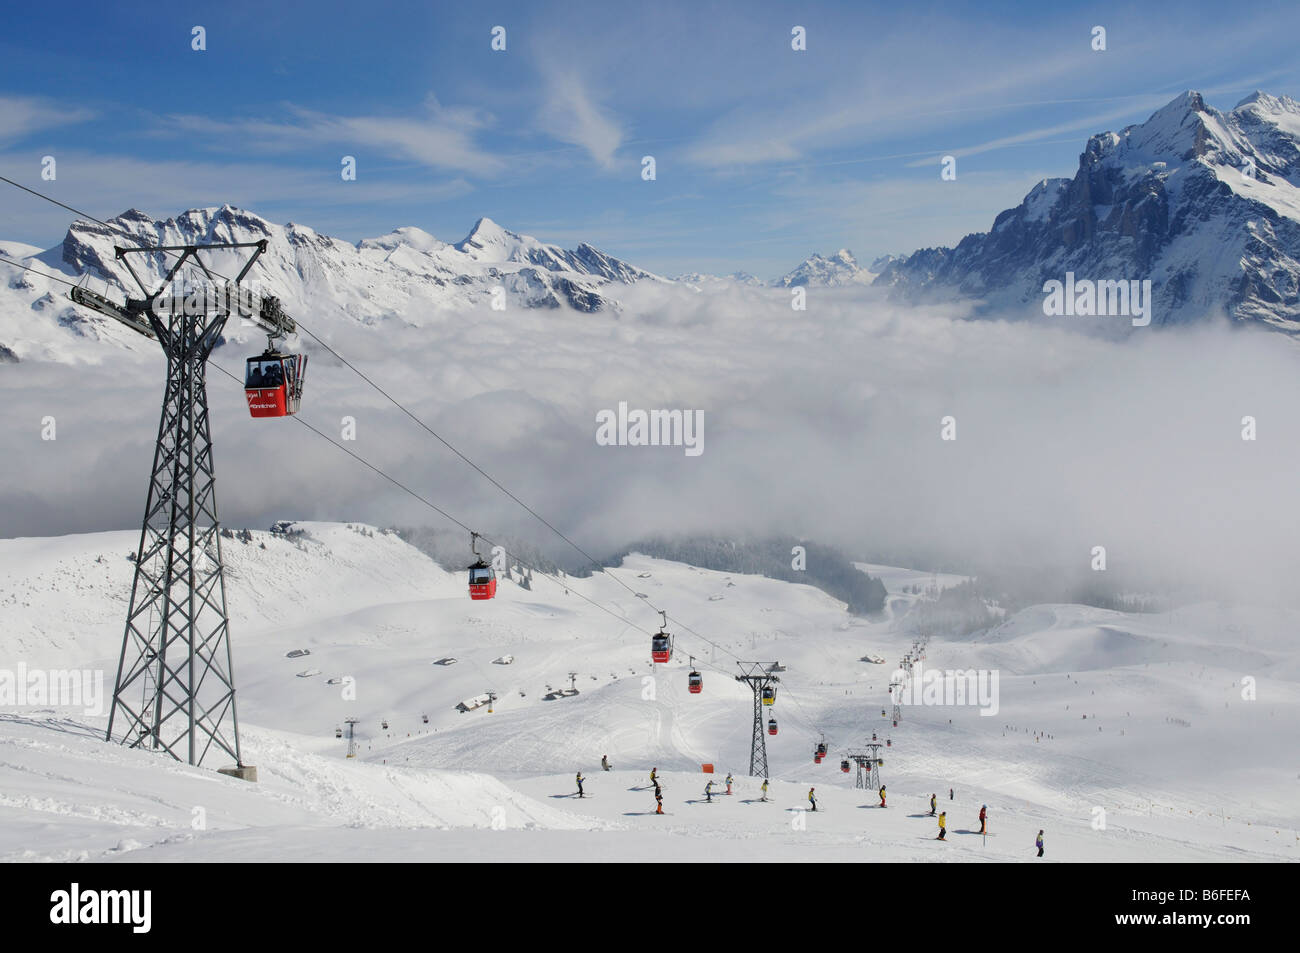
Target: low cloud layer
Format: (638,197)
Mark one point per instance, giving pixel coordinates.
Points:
(824,423)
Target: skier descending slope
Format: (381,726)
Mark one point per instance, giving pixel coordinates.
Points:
(659,799)
(654,773)
(984,818)
(604,762)
(882,795)
(708,791)
(812,798)
(943,826)
(728,782)
(1039,843)
(580,779)
(764,790)
(933,805)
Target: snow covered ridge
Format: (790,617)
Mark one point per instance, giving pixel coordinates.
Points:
(1204,204)
(406,275)
(838,271)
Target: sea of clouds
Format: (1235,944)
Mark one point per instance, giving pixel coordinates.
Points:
(824,423)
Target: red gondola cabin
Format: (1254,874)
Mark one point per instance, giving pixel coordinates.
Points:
(661,643)
(273,383)
(482,581)
(771,726)
(695,683)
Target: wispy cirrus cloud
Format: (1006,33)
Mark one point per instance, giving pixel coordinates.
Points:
(570,113)
(996,76)
(20,116)
(441,138)
(106,185)
(1083,126)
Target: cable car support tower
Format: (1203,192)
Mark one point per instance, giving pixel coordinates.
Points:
(757,679)
(175,686)
(868,762)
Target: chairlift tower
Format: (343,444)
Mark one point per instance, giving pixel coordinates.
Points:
(757,679)
(352,740)
(868,762)
(175,685)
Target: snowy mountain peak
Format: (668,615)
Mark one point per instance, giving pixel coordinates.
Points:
(406,237)
(488,241)
(1265,103)
(836,271)
(1204,204)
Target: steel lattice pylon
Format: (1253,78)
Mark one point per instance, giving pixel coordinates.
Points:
(868,762)
(176,657)
(175,686)
(757,680)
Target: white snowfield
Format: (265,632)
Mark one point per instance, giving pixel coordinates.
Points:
(1183,767)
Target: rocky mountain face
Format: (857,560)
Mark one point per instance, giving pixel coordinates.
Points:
(1203,204)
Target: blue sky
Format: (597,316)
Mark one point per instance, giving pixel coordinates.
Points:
(764,155)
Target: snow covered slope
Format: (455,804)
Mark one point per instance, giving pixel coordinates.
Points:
(1160,691)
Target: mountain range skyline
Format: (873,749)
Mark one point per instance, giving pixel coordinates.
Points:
(1203,204)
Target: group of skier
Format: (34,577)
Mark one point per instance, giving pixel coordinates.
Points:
(812,800)
(983,817)
(708,788)
(943,817)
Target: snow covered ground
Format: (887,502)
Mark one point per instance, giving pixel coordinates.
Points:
(1183,767)
(900,583)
